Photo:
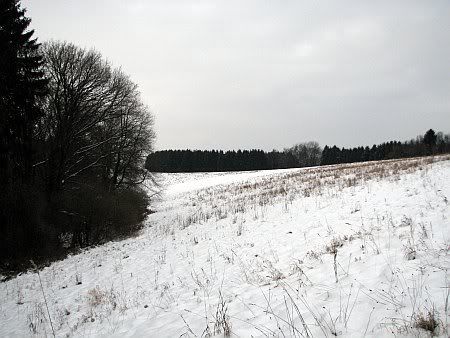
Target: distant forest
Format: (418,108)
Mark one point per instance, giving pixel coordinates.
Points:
(429,144)
(300,155)
(217,160)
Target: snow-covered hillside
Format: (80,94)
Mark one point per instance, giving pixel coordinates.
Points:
(349,250)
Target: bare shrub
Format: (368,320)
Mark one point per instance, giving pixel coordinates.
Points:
(332,248)
(96,297)
(313,255)
(107,300)
(36,318)
(336,243)
(406,221)
(114,214)
(274,274)
(410,252)
(428,322)
(25,233)
(222,322)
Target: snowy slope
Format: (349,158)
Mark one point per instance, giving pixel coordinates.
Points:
(350,250)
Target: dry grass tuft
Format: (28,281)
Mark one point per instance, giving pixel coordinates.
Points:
(336,243)
(427,322)
(222,322)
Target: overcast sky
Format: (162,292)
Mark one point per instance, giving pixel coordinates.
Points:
(268,74)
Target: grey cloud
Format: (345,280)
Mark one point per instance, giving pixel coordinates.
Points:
(241,74)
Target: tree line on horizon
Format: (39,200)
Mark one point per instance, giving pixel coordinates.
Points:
(298,156)
(431,143)
(216,160)
(74,134)
(305,154)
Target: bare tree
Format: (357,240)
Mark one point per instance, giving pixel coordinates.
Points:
(306,154)
(96,123)
(133,139)
(95,135)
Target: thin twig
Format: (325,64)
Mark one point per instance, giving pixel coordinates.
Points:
(43,294)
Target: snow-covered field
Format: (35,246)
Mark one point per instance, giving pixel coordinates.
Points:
(349,250)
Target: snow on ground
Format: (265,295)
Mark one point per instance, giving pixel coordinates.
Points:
(188,182)
(351,250)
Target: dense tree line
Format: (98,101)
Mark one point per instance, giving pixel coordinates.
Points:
(429,144)
(298,156)
(74,134)
(301,155)
(205,160)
